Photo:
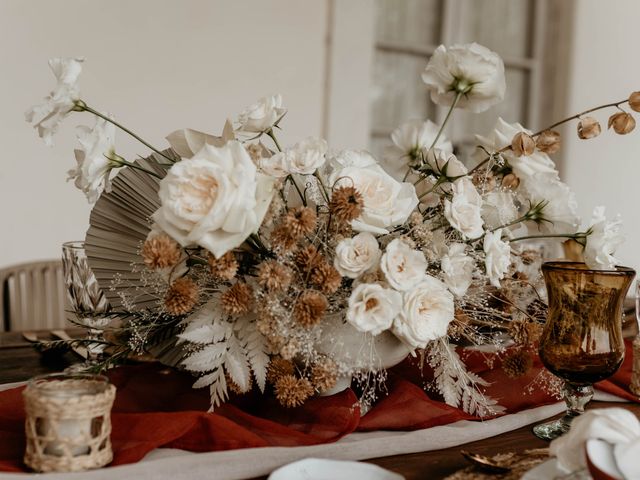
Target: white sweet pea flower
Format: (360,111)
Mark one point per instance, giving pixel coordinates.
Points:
(403,267)
(387,202)
(357,255)
(497,257)
(473,71)
(603,241)
(372,308)
(560,205)
(463,211)
(47,116)
(215,199)
(498,208)
(457,269)
(95,159)
(427,310)
(306,156)
(275,165)
(262,115)
(445,163)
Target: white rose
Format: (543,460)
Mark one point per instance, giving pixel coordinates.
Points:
(426,313)
(560,208)
(387,202)
(47,116)
(275,165)
(603,241)
(94,167)
(402,266)
(497,257)
(472,70)
(463,211)
(409,139)
(215,199)
(372,308)
(306,156)
(262,115)
(357,255)
(457,269)
(498,208)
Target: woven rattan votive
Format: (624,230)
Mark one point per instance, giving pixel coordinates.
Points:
(635,373)
(68,424)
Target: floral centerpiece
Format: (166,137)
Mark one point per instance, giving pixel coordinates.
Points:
(297,269)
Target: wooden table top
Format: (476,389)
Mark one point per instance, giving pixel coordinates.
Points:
(19,361)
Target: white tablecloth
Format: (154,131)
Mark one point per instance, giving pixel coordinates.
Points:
(174,464)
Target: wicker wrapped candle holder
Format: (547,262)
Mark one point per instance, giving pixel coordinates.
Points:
(68,422)
(635,374)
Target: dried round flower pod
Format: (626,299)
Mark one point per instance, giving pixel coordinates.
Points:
(181,296)
(634,101)
(292,392)
(308,258)
(326,278)
(273,276)
(282,240)
(588,127)
(300,221)
(160,251)
(517,363)
(622,123)
(346,204)
(324,374)
(548,141)
(510,181)
(237,299)
(523,144)
(279,367)
(223,268)
(310,308)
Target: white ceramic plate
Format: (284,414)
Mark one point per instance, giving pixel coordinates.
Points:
(602,463)
(322,469)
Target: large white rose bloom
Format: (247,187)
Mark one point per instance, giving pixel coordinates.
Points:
(386,201)
(497,257)
(372,308)
(215,199)
(403,267)
(472,70)
(91,175)
(47,116)
(457,269)
(306,156)
(463,211)
(603,241)
(426,313)
(357,255)
(262,115)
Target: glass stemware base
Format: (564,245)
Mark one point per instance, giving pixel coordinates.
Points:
(576,398)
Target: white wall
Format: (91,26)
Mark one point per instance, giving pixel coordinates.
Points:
(605,68)
(157,65)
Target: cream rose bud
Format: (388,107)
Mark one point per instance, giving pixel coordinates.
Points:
(403,267)
(463,211)
(357,255)
(445,163)
(262,115)
(497,257)
(215,199)
(457,269)
(275,165)
(426,312)
(307,156)
(372,308)
(603,241)
(387,202)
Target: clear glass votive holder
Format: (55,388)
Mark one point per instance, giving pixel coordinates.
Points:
(68,422)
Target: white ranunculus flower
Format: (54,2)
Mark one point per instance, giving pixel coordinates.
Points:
(47,116)
(403,267)
(262,115)
(443,162)
(275,165)
(409,139)
(603,241)
(91,175)
(457,269)
(497,257)
(498,208)
(306,156)
(561,208)
(372,308)
(427,310)
(387,202)
(215,199)
(357,255)
(463,211)
(472,70)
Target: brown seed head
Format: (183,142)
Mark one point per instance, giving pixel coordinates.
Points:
(634,101)
(223,268)
(300,221)
(622,123)
(160,251)
(181,296)
(510,181)
(292,392)
(346,204)
(326,278)
(308,258)
(279,367)
(282,240)
(517,363)
(324,374)
(273,276)
(523,144)
(237,299)
(548,141)
(310,308)
(588,127)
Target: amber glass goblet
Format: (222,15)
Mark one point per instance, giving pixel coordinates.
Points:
(582,339)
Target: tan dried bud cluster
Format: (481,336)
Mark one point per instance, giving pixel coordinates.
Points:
(181,296)
(622,123)
(523,144)
(290,349)
(237,299)
(223,268)
(510,181)
(273,276)
(279,367)
(292,392)
(634,101)
(160,251)
(326,278)
(588,127)
(548,141)
(310,308)
(308,258)
(324,374)
(346,204)
(255,151)
(282,239)
(300,221)
(416,219)
(517,363)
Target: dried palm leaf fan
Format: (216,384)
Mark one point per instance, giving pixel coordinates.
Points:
(118,226)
